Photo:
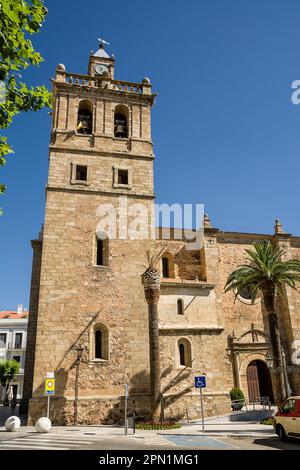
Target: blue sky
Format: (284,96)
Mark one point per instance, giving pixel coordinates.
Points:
(225,131)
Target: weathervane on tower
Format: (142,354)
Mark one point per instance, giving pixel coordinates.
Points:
(102,42)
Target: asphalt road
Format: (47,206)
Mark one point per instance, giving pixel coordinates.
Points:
(92,441)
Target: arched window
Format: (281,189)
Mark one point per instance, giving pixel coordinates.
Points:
(100,342)
(180,307)
(181,354)
(102,249)
(165,267)
(184,353)
(85,117)
(121,122)
(168,266)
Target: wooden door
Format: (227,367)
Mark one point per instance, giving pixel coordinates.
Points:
(253,381)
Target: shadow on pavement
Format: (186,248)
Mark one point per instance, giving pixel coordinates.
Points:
(5,412)
(275,443)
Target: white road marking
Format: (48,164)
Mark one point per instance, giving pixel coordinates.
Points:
(28,446)
(50,442)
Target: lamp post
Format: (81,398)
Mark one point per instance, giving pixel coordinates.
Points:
(288,390)
(269,361)
(79,351)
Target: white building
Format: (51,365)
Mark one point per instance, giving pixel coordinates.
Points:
(13,336)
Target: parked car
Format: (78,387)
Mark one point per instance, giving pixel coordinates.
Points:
(287,419)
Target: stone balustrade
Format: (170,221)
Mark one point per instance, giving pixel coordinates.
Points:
(102,82)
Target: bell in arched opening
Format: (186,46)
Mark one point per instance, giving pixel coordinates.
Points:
(84,117)
(120,126)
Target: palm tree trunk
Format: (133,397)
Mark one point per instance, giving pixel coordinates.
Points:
(269,301)
(151,281)
(154,360)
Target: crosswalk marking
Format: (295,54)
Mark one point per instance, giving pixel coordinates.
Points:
(28,446)
(47,441)
(43,442)
(56,438)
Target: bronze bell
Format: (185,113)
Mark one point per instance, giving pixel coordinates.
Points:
(120,128)
(83,126)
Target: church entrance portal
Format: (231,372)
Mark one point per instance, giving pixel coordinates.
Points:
(259,381)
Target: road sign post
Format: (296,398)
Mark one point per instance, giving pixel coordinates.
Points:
(200,382)
(125,411)
(49,391)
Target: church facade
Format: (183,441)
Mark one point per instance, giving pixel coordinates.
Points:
(88,318)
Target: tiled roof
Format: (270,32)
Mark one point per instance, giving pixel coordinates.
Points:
(13,315)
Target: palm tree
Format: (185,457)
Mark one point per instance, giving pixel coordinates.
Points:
(268,274)
(151,282)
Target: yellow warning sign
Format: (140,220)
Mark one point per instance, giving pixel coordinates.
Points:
(50,387)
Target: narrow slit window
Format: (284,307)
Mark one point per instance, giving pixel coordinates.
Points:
(100,253)
(180,307)
(165,267)
(98,344)
(181,354)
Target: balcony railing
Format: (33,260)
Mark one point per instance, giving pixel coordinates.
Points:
(97,82)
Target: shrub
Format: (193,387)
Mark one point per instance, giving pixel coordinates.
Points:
(237,394)
(237,399)
(152,426)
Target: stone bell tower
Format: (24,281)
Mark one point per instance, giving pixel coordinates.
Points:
(86,291)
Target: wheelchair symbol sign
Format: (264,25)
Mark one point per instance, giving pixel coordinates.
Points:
(200,381)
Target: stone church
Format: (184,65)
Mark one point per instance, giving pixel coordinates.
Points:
(88,318)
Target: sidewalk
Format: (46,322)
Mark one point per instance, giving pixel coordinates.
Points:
(212,430)
(229,425)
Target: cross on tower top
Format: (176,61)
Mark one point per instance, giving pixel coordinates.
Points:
(102,42)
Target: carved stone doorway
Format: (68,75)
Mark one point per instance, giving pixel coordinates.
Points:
(259,381)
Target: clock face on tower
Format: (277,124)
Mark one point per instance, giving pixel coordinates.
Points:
(100,69)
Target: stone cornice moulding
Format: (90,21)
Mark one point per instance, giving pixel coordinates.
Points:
(88,190)
(121,154)
(176,328)
(183,283)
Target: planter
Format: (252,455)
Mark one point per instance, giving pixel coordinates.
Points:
(237,406)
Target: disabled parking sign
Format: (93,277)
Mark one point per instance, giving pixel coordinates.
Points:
(200,381)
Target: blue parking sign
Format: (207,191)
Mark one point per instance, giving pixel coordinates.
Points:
(200,381)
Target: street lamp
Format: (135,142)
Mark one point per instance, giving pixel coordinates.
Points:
(269,360)
(79,351)
(288,390)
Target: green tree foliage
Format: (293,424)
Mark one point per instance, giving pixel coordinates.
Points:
(266,273)
(18,20)
(8,369)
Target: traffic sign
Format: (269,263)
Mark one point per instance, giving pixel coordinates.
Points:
(50,387)
(200,381)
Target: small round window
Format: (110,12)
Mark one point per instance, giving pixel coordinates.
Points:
(245,296)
